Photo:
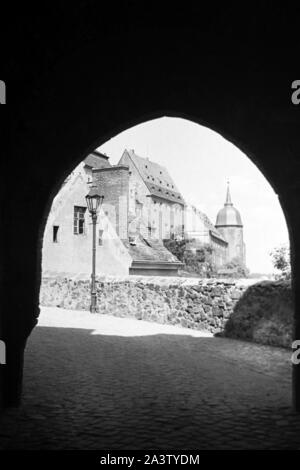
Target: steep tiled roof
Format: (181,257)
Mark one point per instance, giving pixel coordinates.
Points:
(97,160)
(152,250)
(156,178)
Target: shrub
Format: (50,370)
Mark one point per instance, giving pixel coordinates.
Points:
(197,258)
(281,261)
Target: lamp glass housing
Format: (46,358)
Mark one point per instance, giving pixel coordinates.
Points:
(94,200)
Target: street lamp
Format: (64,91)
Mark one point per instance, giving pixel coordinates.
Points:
(94,200)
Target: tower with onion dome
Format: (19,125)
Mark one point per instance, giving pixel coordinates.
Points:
(229,223)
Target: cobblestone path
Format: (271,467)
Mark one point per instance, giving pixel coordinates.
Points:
(101,382)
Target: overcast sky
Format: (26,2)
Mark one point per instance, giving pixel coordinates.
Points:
(200,162)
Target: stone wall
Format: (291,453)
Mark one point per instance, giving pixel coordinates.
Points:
(260,312)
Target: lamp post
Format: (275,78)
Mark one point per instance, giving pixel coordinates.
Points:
(94,200)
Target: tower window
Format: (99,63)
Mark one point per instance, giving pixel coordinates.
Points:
(79,220)
(55,233)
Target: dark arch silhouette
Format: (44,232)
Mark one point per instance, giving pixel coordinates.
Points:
(71,102)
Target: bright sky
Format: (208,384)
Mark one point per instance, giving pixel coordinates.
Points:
(200,162)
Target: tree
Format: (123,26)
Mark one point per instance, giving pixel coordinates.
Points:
(281,261)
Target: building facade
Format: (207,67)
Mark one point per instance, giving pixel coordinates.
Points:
(68,233)
(142,208)
(125,244)
(155,206)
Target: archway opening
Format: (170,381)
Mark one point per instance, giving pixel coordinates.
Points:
(123,232)
(200,165)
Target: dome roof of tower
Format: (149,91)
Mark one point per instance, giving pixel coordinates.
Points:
(228,215)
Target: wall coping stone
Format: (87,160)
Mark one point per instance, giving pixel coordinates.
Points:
(156,280)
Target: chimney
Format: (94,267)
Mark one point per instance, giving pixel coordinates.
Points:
(114,183)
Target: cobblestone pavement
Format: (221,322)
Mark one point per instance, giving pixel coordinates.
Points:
(101,382)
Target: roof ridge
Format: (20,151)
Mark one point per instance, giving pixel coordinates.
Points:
(136,166)
(147,159)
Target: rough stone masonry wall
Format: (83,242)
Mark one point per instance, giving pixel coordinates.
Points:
(261,312)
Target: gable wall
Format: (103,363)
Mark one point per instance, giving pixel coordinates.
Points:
(73,253)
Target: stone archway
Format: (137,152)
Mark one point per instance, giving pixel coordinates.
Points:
(76,106)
